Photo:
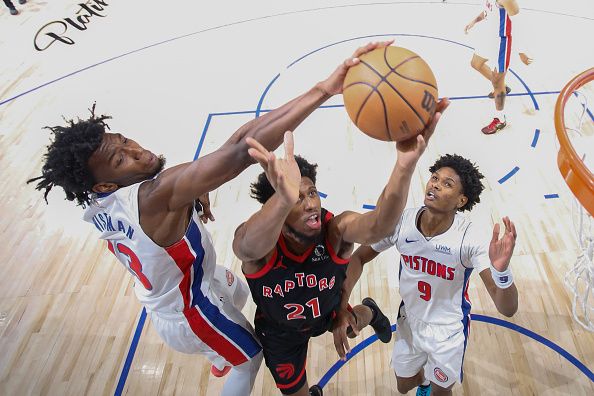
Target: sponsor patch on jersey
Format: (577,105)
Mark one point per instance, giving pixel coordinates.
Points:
(230,277)
(320,250)
(443,249)
(285,370)
(410,241)
(440,375)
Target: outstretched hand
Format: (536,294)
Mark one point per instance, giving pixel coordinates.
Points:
(525,58)
(333,84)
(468,27)
(282,173)
(340,324)
(501,250)
(410,150)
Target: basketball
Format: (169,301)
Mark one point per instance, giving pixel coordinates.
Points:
(391,94)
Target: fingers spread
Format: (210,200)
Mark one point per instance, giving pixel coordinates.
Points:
(495,237)
(338,344)
(258,156)
(513,228)
(255,144)
(289,145)
(371,46)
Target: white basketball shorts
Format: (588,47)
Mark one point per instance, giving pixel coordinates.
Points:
(216,328)
(439,349)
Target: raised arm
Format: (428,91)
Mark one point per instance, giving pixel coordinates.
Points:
(374,225)
(476,20)
(255,238)
(183,184)
(498,280)
(344,318)
(360,257)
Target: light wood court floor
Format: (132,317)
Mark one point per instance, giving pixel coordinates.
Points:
(172,72)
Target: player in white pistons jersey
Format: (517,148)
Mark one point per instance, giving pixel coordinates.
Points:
(180,282)
(149,217)
(492,41)
(434,272)
(439,250)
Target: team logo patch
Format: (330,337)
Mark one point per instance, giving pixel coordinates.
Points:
(320,250)
(230,277)
(285,370)
(440,375)
(320,254)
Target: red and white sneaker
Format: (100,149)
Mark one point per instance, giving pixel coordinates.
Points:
(494,126)
(219,373)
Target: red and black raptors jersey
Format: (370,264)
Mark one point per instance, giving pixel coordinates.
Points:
(300,292)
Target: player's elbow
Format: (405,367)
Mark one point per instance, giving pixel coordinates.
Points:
(238,244)
(378,231)
(374,234)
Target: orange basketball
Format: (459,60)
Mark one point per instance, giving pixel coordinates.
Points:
(391,94)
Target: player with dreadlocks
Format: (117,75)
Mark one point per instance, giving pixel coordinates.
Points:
(152,220)
(439,249)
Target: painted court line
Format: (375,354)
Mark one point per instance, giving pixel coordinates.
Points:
(477,318)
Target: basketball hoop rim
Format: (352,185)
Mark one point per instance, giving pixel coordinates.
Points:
(577,176)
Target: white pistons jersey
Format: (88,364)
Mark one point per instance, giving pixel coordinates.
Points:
(435,272)
(497,19)
(162,274)
(178,285)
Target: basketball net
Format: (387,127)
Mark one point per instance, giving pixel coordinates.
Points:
(580,279)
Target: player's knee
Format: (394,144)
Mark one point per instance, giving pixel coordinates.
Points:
(403,387)
(437,390)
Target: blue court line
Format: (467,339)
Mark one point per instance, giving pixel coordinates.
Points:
(535,138)
(550,196)
(532,96)
(131,352)
(587,109)
(475,317)
(536,337)
(354,351)
(199,148)
(510,174)
(334,106)
(367,206)
(372,36)
(527,89)
(264,95)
